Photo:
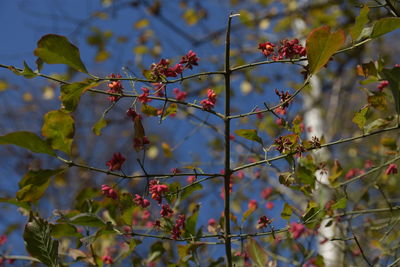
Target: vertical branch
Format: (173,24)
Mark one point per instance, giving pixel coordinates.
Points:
(227,166)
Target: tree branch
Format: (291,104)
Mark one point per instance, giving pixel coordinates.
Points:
(324,145)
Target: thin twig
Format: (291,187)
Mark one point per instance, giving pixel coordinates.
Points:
(361,250)
(324,145)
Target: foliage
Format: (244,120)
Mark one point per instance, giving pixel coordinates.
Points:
(206,158)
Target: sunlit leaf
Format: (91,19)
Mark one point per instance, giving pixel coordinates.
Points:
(191,16)
(367,69)
(384,25)
(142,23)
(166,149)
(376,125)
(389,143)
(15,202)
(321,45)
(340,204)
(102,55)
(59,129)
(100,124)
(140,50)
(29,141)
(257,254)
(187,192)
(156,251)
(172,109)
(360,118)
(250,134)
(361,21)
(39,243)
(311,211)
(378,100)
(71,93)
(306,175)
(56,49)
(27,72)
(247,213)
(107,229)
(149,110)
(60,230)
(87,219)
(190,226)
(286,212)
(336,172)
(3,85)
(246,17)
(34,184)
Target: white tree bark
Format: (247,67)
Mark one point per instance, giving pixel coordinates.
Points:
(331,251)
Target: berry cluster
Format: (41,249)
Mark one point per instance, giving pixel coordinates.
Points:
(109,192)
(157,190)
(162,69)
(209,103)
(263,221)
(178,227)
(115,87)
(286,50)
(115,163)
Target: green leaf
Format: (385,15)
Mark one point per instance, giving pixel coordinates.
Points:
(384,25)
(108,229)
(389,143)
(87,219)
(15,202)
(321,44)
(340,204)
(393,76)
(56,49)
(59,129)
(360,118)
(336,172)
(361,21)
(149,110)
(188,191)
(156,250)
(172,109)
(247,213)
(311,212)
(27,72)
(286,212)
(100,124)
(378,100)
(39,243)
(306,175)
(376,125)
(256,253)
(367,69)
(173,189)
(34,184)
(64,230)
(369,80)
(190,226)
(250,134)
(29,141)
(71,93)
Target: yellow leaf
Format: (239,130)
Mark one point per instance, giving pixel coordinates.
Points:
(142,23)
